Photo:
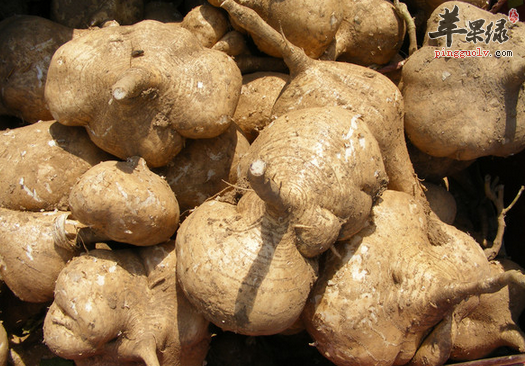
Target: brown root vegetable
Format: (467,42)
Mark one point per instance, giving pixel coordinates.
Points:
(232,43)
(399,288)
(494,322)
(239,266)
(441,201)
(322,170)
(40,163)
(208,23)
(89,13)
(364,92)
(481,109)
(126,202)
(35,247)
(371,33)
(259,92)
(125,308)
(244,265)
(30,42)
(205,167)
(139,89)
(311,27)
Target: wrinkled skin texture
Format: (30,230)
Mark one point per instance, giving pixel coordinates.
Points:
(30,257)
(481,108)
(30,42)
(123,308)
(89,13)
(328,168)
(140,89)
(205,167)
(126,202)
(40,163)
(239,266)
(399,279)
(361,90)
(493,323)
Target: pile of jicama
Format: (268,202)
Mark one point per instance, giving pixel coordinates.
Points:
(240,182)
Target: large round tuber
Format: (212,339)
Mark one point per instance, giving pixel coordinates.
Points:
(126,202)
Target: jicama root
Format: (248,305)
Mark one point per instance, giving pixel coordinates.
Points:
(481,109)
(259,92)
(205,167)
(239,266)
(126,202)
(35,247)
(244,265)
(139,89)
(311,27)
(30,42)
(124,307)
(371,33)
(322,169)
(362,91)
(40,163)
(394,282)
(494,322)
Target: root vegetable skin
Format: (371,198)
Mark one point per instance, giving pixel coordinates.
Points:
(208,23)
(323,170)
(123,308)
(40,163)
(371,33)
(139,97)
(239,266)
(23,73)
(205,167)
(315,83)
(31,256)
(259,92)
(311,28)
(126,202)
(395,281)
(494,322)
(456,127)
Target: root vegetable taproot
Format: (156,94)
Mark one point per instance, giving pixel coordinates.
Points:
(321,170)
(457,127)
(140,89)
(35,247)
(126,202)
(124,307)
(311,28)
(205,167)
(40,163)
(364,92)
(401,286)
